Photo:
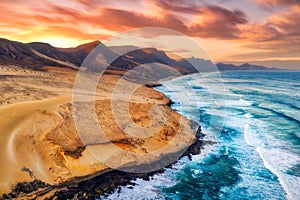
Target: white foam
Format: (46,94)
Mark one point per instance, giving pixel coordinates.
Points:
(144,189)
(248,115)
(152,189)
(247,103)
(251,137)
(196,173)
(278,161)
(233,103)
(204,152)
(246,135)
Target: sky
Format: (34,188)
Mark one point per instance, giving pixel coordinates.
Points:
(260,31)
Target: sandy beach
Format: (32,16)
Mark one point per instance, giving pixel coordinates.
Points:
(39,140)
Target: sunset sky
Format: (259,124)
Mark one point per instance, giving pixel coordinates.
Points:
(230,30)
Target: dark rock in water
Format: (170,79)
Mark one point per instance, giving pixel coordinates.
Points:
(195,148)
(196,126)
(100,185)
(170,103)
(199,134)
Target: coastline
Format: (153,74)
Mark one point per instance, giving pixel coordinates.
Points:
(102,182)
(76,182)
(108,182)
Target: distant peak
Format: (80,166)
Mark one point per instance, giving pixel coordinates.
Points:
(39,43)
(246,64)
(148,50)
(93,43)
(88,47)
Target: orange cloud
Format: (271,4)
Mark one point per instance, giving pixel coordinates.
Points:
(287,23)
(281,26)
(273,3)
(189,7)
(82,20)
(120,20)
(219,23)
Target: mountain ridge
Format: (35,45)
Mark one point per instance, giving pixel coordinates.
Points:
(245,66)
(36,55)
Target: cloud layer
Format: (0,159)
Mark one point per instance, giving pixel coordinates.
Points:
(83,20)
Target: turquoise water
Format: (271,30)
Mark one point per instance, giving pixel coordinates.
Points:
(254,117)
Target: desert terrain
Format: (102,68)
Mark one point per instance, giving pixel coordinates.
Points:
(39,139)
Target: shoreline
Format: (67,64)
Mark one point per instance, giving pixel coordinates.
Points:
(111,181)
(36,187)
(103,182)
(117,179)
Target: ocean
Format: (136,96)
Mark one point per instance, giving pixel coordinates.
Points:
(254,116)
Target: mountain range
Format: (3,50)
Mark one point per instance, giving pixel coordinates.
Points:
(36,55)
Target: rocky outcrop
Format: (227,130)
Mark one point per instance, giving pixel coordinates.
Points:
(94,185)
(196,146)
(110,181)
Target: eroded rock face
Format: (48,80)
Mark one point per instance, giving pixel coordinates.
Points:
(92,187)
(108,182)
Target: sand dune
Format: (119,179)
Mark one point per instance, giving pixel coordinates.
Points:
(16,152)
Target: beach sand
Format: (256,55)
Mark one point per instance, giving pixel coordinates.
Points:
(39,140)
